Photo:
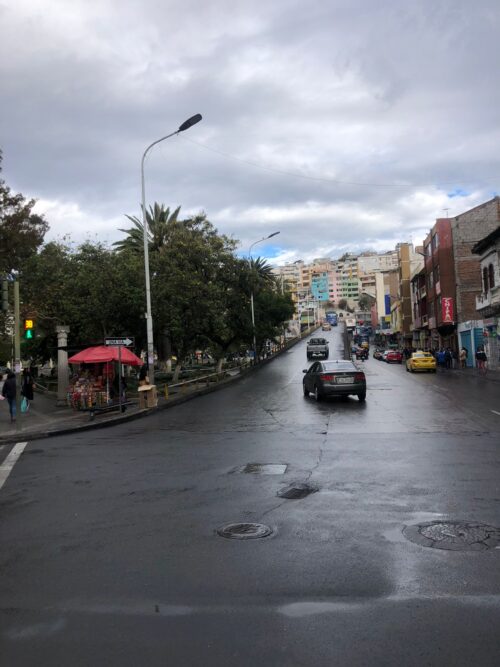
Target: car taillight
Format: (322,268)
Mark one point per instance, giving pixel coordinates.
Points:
(359,377)
(327,377)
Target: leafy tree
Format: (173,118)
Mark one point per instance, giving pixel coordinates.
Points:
(343,304)
(365,302)
(186,282)
(21,230)
(94,290)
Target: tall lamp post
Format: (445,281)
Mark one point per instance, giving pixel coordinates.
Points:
(251,293)
(149,320)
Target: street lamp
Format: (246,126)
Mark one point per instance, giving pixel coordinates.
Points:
(251,293)
(149,320)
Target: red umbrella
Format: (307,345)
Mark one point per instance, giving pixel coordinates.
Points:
(105,353)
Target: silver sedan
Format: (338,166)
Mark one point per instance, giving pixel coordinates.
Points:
(334,378)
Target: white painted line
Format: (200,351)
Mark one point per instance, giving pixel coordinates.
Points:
(10,461)
(497,413)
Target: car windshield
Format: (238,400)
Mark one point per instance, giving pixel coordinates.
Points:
(339,366)
(317,341)
(422,355)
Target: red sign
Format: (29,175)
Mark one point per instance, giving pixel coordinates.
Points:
(447,310)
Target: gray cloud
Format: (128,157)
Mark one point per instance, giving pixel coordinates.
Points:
(353,93)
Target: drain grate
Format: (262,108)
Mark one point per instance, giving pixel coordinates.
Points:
(244,531)
(297,490)
(454,535)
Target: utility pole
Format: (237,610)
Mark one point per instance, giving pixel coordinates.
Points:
(17,352)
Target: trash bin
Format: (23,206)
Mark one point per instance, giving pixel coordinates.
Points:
(148,397)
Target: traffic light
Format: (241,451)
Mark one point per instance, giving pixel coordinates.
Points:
(28,328)
(5,295)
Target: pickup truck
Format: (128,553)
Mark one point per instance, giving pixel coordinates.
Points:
(317,347)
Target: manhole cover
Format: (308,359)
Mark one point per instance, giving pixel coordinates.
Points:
(244,531)
(264,468)
(297,490)
(454,535)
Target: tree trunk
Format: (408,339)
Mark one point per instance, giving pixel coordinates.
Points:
(220,361)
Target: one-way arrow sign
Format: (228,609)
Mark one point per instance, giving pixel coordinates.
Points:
(126,341)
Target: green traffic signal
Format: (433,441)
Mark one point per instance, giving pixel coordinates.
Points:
(28,334)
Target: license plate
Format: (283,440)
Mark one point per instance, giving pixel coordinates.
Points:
(346,380)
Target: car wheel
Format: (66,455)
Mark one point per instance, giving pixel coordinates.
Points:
(317,393)
(306,391)
(362,397)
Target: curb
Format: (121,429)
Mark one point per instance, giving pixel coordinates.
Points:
(171,403)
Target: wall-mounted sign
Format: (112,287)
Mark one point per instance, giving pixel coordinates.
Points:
(447,310)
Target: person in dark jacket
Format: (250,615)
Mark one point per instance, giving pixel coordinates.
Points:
(27,386)
(9,392)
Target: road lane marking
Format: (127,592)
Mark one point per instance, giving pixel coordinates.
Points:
(10,461)
(497,413)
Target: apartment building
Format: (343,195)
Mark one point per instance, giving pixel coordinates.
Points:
(488,302)
(468,229)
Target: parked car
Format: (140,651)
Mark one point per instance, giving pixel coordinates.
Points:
(317,347)
(393,357)
(334,378)
(378,352)
(421,361)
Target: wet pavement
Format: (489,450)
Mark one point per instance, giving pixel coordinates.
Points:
(110,552)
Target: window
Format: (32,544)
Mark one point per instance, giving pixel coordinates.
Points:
(491,275)
(436,274)
(435,242)
(431,309)
(485,280)
(431,280)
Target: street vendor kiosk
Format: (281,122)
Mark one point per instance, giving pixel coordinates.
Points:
(96,386)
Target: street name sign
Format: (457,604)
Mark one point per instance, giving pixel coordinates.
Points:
(125,341)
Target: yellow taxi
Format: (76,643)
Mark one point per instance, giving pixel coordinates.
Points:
(421,361)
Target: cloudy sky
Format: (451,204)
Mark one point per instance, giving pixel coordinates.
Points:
(344,124)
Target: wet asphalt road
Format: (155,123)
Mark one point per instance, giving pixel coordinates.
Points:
(109,554)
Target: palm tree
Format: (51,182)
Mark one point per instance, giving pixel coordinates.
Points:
(158,220)
(262,270)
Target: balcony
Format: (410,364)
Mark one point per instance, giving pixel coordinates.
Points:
(483,301)
(489,300)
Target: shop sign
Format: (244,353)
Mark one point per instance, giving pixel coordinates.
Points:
(447,310)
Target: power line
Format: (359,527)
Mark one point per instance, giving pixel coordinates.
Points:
(295,174)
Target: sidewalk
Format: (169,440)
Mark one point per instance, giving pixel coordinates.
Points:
(44,418)
(490,375)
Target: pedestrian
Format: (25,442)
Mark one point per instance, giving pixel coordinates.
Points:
(447,358)
(481,359)
(454,355)
(9,392)
(27,387)
(441,358)
(463,357)
(143,376)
